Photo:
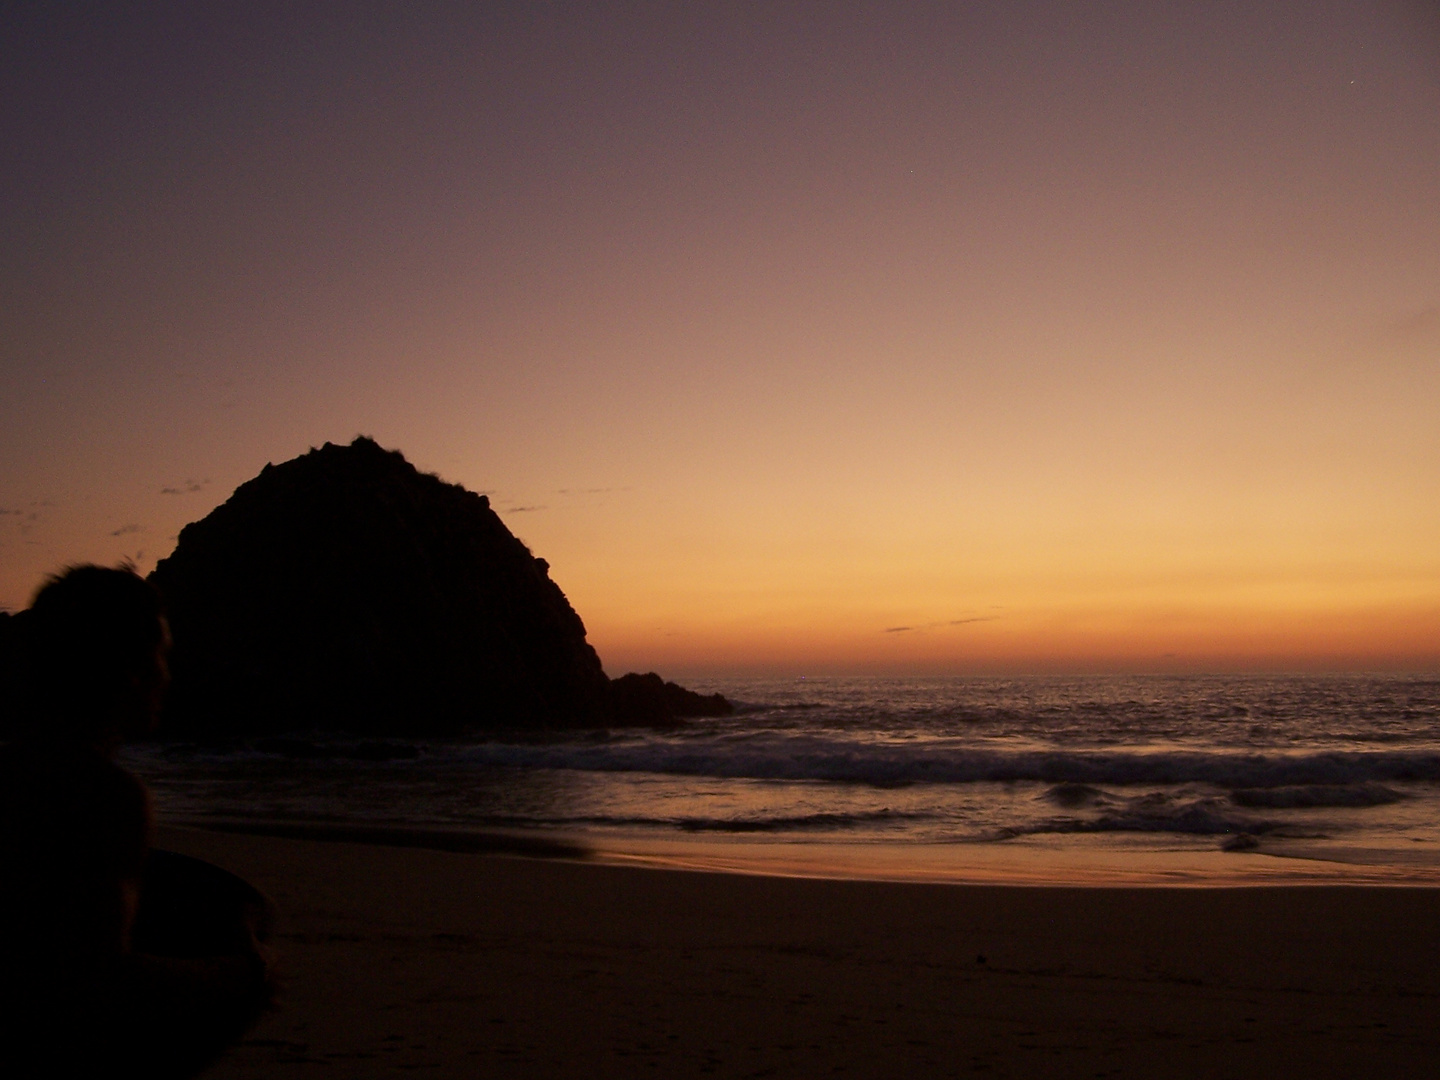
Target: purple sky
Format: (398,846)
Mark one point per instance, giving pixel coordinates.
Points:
(1077,334)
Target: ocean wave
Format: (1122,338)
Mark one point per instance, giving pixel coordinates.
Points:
(794,822)
(1312,795)
(1158,813)
(1071,794)
(897,764)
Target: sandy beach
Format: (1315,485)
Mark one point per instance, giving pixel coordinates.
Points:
(461,964)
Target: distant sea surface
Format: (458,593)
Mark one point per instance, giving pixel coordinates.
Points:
(1155,779)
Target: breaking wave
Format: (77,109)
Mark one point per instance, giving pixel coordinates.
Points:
(1316,775)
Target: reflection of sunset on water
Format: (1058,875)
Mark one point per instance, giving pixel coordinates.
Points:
(1228,779)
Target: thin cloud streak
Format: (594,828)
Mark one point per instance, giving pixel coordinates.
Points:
(937,625)
(190,487)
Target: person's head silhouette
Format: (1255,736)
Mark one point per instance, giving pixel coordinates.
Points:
(115,958)
(97,642)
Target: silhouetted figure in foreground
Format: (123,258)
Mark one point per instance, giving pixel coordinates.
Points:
(114,959)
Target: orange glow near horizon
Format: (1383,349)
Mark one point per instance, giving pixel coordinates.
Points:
(1068,340)
(1020,642)
(1194,622)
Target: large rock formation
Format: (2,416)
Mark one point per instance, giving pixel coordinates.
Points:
(346,590)
(12,688)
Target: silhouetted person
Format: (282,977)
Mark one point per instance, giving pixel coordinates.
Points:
(114,960)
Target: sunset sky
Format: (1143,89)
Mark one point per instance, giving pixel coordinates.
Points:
(822,337)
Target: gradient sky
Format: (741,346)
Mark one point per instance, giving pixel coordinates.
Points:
(912,337)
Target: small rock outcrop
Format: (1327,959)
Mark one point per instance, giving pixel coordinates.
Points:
(648,699)
(345,590)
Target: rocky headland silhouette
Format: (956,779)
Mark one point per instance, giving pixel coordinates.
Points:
(344,590)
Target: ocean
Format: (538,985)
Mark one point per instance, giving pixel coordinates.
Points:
(1187,780)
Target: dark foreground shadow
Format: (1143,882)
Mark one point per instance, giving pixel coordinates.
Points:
(470,843)
(191,908)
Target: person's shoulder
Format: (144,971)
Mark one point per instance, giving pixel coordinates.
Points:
(77,775)
(47,756)
(65,807)
(24,763)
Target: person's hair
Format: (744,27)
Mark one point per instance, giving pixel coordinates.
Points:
(93,637)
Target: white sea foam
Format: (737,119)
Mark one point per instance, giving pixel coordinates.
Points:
(886,764)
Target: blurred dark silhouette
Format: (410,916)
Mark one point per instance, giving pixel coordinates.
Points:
(346,590)
(114,959)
